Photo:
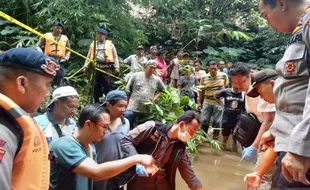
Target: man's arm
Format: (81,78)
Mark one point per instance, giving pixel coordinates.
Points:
(161,88)
(267,122)
(68,53)
(129,85)
(188,174)
(116,61)
(127,60)
(218,95)
(41,44)
(91,169)
(135,137)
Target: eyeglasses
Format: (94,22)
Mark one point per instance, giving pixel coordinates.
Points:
(104,126)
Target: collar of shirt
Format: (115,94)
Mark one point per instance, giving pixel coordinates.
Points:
(53,121)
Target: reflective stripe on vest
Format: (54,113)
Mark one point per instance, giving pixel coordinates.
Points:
(51,48)
(31,167)
(107,51)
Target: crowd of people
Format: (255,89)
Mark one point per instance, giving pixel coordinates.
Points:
(112,144)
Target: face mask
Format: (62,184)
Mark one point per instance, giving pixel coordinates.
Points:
(184,136)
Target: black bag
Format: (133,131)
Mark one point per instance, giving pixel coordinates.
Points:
(246,129)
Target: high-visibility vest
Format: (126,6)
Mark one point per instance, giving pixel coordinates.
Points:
(107,51)
(51,48)
(31,166)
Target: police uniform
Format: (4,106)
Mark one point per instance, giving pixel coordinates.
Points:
(107,60)
(292,97)
(23,147)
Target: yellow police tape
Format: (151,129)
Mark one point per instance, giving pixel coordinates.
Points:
(11,19)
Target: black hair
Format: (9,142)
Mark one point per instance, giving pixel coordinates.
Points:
(188,117)
(91,112)
(160,52)
(239,68)
(212,63)
(273,3)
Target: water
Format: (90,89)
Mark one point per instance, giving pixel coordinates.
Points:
(218,170)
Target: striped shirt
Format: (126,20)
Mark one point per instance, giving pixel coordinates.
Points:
(211,85)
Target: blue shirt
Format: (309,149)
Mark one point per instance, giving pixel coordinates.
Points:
(109,149)
(68,154)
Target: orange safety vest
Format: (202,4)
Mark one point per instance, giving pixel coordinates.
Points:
(31,166)
(107,51)
(51,48)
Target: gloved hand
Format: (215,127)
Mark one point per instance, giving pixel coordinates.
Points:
(249,154)
(140,171)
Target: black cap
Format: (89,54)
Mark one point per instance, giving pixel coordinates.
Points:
(61,24)
(31,60)
(260,77)
(102,31)
(139,47)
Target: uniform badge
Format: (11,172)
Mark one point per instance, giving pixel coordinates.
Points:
(2,153)
(234,104)
(50,67)
(290,66)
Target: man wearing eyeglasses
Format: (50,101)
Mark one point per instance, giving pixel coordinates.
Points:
(74,160)
(57,121)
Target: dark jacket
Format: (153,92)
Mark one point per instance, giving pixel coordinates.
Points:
(151,138)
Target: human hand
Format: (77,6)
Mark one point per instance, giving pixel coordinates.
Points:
(145,160)
(249,154)
(140,171)
(85,70)
(294,167)
(266,141)
(252,180)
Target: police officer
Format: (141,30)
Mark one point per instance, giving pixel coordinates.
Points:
(292,92)
(107,60)
(25,78)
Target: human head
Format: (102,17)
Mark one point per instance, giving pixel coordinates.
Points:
(213,68)
(101,34)
(153,50)
(140,50)
(116,103)
(188,124)
(180,55)
(221,65)
(282,15)
(229,65)
(263,82)
(188,70)
(150,67)
(94,121)
(161,54)
(65,101)
(240,76)
(197,66)
(58,28)
(25,76)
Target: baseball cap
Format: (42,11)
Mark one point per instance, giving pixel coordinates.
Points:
(30,60)
(102,31)
(63,91)
(151,62)
(260,77)
(61,24)
(114,95)
(153,47)
(139,47)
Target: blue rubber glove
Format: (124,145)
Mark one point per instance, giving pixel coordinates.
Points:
(140,171)
(249,154)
